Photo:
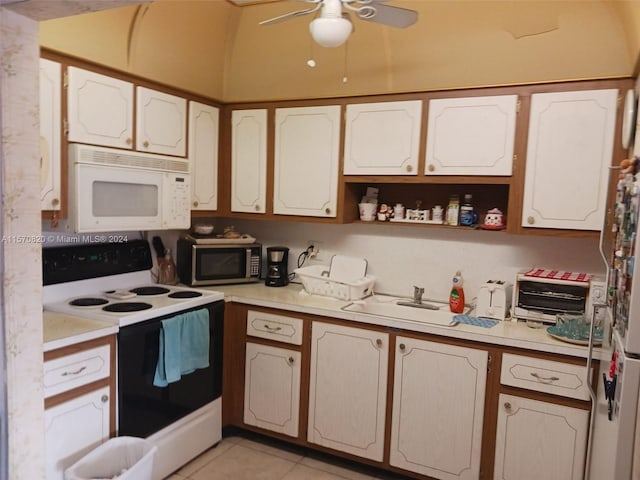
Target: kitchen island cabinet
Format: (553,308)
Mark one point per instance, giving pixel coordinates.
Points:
(347,389)
(438,407)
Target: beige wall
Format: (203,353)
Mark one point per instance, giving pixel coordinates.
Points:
(218,50)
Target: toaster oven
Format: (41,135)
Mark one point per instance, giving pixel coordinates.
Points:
(540,295)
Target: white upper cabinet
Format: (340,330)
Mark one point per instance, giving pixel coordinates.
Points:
(471,136)
(382,138)
(204,122)
(161,122)
(50,148)
(307,143)
(100,109)
(249,161)
(568,157)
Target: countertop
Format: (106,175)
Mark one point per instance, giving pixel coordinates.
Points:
(295,299)
(60,330)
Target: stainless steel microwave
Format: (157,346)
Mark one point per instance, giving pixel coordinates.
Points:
(200,264)
(541,298)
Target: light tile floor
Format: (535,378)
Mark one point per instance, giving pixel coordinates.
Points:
(245,458)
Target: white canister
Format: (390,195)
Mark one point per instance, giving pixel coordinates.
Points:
(398,211)
(437,213)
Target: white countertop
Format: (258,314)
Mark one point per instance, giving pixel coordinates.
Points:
(61,330)
(293,298)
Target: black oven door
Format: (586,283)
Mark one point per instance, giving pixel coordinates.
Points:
(144,408)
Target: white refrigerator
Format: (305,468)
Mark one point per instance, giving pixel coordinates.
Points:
(615,451)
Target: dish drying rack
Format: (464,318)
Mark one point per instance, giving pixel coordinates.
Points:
(345,279)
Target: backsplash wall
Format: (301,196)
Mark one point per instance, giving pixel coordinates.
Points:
(401,257)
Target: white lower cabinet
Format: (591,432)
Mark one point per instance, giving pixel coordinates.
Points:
(272,388)
(438,407)
(348,387)
(74,428)
(536,440)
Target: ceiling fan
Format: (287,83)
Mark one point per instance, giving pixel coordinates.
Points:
(333,26)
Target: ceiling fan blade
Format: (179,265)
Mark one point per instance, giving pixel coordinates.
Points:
(287,16)
(393,16)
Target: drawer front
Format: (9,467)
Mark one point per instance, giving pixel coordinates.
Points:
(72,371)
(547,376)
(274,327)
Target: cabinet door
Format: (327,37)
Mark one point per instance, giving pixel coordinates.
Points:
(50,121)
(272,388)
(537,440)
(73,429)
(249,161)
(471,136)
(161,122)
(204,122)
(568,157)
(307,142)
(347,391)
(100,109)
(438,408)
(382,138)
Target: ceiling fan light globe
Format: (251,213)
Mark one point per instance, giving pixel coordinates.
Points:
(330,32)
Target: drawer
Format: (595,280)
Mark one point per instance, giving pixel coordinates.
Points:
(77,369)
(547,376)
(274,327)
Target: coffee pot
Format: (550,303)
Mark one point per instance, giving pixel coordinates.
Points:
(277,270)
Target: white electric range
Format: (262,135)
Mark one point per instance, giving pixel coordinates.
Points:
(114,282)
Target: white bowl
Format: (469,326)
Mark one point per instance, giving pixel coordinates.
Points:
(203,229)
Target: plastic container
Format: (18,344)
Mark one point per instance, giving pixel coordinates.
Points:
(467,215)
(456,297)
(129,458)
(315,280)
(453,211)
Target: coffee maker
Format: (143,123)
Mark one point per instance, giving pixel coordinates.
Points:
(277,260)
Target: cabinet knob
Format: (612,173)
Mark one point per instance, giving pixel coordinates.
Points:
(55,202)
(431,167)
(145,144)
(507,406)
(409,168)
(128,141)
(104,398)
(327,211)
(290,360)
(256,208)
(531,220)
(402,347)
(195,203)
(378,343)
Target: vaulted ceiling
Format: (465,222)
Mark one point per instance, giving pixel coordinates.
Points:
(217,49)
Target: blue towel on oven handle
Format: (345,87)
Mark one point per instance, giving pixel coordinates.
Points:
(183,346)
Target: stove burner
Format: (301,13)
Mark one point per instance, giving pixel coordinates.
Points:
(150,290)
(88,302)
(127,307)
(185,294)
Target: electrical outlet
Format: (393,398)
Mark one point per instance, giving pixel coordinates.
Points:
(313,247)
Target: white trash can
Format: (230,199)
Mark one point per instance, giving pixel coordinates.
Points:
(120,457)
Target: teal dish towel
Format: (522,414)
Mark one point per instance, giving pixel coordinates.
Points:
(183,346)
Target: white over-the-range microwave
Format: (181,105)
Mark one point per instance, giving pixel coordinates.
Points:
(542,297)
(119,190)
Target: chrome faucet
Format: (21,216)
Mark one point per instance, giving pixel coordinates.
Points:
(417,294)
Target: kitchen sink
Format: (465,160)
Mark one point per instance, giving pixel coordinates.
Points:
(400,308)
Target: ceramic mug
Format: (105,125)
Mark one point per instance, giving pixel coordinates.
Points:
(367,211)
